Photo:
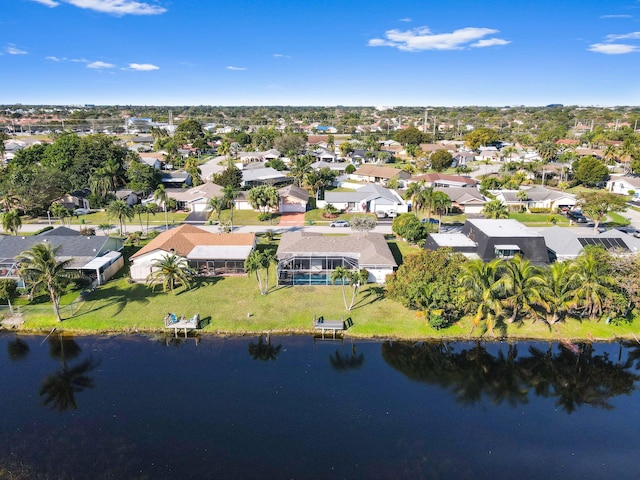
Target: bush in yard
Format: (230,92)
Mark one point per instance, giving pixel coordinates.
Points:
(409,227)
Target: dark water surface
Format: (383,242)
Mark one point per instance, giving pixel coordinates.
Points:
(137,407)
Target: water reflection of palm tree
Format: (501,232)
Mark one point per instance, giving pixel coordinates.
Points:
(573,377)
(18,349)
(341,361)
(263,350)
(59,389)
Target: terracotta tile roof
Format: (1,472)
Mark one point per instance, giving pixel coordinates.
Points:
(184,238)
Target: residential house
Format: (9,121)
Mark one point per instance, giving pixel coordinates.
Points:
(536,197)
(176,179)
(154,159)
(369,198)
(308,258)
(195,199)
(253,177)
(468,200)
(252,157)
(293,199)
(76,199)
(379,174)
(324,155)
(129,196)
(209,254)
(444,180)
(624,185)
(462,158)
(95,257)
(568,243)
(496,239)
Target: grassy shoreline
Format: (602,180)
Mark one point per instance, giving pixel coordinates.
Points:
(232,306)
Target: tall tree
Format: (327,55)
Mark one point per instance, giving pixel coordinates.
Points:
(40,268)
(11,221)
(160,196)
(264,198)
(495,209)
(597,204)
(593,282)
(484,287)
(229,194)
(215,205)
(342,275)
(523,284)
(120,210)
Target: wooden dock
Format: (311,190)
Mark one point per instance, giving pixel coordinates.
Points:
(320,324)
(181,323)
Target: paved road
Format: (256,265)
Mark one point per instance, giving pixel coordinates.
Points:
(380,228)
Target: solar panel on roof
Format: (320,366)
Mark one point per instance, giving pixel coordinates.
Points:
(607,243)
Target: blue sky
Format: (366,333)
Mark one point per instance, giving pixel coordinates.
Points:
(283,52)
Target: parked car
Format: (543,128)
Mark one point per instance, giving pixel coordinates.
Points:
(432,221)
(630,231)
(339,223)
(577,217)
(81,211)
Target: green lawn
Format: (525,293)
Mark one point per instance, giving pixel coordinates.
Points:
(233,305)
(540,218)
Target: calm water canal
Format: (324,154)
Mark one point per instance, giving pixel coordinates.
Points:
(140,407)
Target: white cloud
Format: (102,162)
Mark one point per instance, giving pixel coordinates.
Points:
(615,16)
(143,67)
(406,20)
(612,48)
(281,55)
(421,38)
(12,49)
(48,3)
(490,42)
(100,65)
(230,67)
(55,59)
(114,7)
(624,36)
(609,47)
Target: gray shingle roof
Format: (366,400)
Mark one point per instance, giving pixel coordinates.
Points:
(368,248)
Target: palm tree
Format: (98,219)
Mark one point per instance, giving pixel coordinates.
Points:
(254,264)
(192,168)
(225,148)
(495,209)
(160,196)
(483,289)
(414,189)
(424,200)
(139,209)
(342,275)
(229,196)
(523,284)
(60,211)
(169,270)
(357,278)
(557,289)
(593,284)
(269,258)
(39,268)
(150,209)
(11,221)
(299,169)
(215,204)
(120,210)
(105,227)
(264,198)
(441,204)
